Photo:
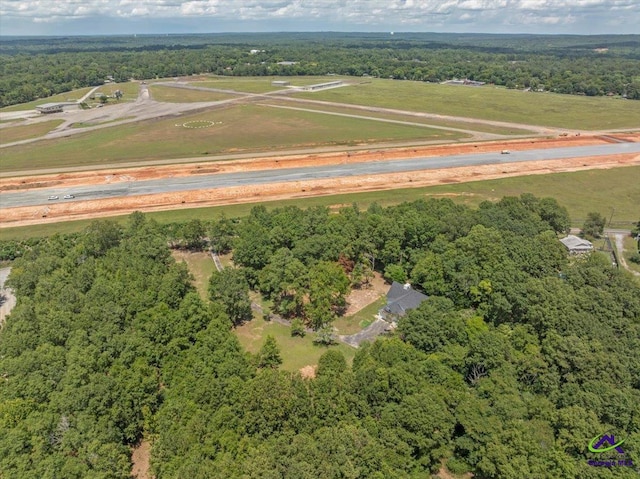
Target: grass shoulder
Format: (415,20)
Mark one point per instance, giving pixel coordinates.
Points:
(10,134)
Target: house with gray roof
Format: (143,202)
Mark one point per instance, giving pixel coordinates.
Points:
(400,299)
(577,245)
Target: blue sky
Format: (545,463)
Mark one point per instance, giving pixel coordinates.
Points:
(69,17)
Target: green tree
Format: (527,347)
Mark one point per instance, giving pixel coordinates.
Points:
(101,236)
(192,234)
(297,328)
(221,235)
(433,325)
(269,354)
(283,281)
(325,335)
(230,288)
(593,226)
(328,285)
(395,272)
(555,215)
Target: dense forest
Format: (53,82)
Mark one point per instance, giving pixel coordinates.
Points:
(37,67)
(520,356)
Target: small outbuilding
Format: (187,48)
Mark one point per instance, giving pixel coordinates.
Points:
(577,245)
(50,107)
(323,86)
(400,299)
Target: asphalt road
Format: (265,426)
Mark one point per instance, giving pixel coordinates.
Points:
(129,187)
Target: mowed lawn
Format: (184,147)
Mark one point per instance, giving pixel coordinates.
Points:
(360,320)
(490,103)
(261,84)
(10,134)
(160,92)
(296,352)
(201,267)
(581,192)
(352,110)
(243,85)
(241,128)
(66,96)
(129,90)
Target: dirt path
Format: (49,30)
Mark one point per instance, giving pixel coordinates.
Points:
(140,459)
(7,299)
(620,247)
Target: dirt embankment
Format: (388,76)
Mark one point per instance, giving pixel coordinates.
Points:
(207,166)
(23,216)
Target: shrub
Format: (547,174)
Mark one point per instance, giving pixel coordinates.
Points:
(297,328)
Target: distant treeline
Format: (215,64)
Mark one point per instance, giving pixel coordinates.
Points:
(37,67)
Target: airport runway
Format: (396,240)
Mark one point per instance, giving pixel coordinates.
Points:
(211,181)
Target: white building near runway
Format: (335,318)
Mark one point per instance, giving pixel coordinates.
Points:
(46,108)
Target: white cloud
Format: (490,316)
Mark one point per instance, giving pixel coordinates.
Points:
(423,15)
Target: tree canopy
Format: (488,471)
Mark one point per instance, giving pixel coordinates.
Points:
(520,356)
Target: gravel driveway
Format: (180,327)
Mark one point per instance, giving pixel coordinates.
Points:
(7,299)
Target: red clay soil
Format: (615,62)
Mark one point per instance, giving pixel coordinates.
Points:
(301,189)
(207,166)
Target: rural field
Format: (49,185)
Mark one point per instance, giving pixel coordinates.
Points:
(129,90)
(160,92)
(262,125)
(262,84)
(490,103)
(437,122)
(9,134)
(243,128)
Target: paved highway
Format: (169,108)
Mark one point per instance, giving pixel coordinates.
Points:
(200,182)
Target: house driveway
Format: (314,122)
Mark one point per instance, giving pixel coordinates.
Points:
(370,333)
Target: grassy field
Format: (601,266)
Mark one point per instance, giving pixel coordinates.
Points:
(243,128)
(169,94)
(563,111)
(581,192)
(479,127)
(129,90)
(67,96)
(260,84)
(630,248)
(362,319)
(88,124)
(296,352)
(201,267)
(24,132)
(244,85)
